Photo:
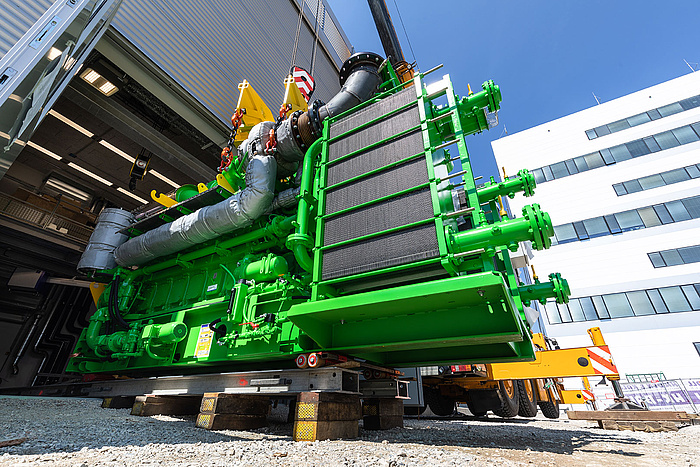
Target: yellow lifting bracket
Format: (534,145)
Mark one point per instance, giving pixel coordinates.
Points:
(293,96)
(162,199)
(221,180)
(256,110)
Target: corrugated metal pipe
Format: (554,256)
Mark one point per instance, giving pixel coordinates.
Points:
(360,80)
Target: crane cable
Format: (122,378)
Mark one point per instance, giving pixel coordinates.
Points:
(404,31)
(313,57)
(296,38)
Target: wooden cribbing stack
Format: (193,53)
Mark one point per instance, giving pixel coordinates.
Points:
(326,415)
(382,414)
(222,411)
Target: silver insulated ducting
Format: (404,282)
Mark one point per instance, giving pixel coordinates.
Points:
(99,253)
(238,211)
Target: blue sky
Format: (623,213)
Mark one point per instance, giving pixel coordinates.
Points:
(547,56)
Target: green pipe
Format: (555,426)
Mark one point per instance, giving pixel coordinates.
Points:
(535,225)
(107,343)
(300,241)
(524,182)
(558,289)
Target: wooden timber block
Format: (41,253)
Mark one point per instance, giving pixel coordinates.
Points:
(327,407)
(324,415)
(118,402)
(145,406)
(228,421)
(648,426)
(241,404)
(382,414)
(628,415)
(336,429)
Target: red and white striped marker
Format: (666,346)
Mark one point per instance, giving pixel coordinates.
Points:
(304,81)
(588,395)
(602,361)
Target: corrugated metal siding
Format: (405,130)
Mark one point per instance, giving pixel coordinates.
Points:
(16,17)
(210,47)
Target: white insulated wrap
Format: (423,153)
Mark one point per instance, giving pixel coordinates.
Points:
(238,211)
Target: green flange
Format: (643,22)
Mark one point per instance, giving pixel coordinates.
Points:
(535,225)
(557,288)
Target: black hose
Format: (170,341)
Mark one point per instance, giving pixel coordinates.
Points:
(231,299)
(220,331)
(113,305)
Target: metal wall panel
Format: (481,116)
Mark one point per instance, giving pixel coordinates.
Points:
(16,17)
(210,47)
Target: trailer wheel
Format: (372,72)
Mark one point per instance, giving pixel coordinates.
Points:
(439,404)
(528,398)
(476,413)
(508,392)
(550,408)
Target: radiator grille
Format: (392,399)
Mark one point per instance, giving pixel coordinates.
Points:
(390,218)
(367,114)
(402,247)
(406,209)
(399,178)
(397,123)
(380,156)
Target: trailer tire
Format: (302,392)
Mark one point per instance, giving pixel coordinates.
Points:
(528,398)
(510,403)
(439,404)
(550,408)
(475,412)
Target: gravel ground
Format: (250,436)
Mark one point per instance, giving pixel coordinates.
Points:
(78,432)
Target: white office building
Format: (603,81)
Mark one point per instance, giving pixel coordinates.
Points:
(621,182)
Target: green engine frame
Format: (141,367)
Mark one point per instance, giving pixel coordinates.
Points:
(256,298)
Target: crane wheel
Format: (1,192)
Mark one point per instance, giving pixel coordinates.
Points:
(550,408)
(528,398)
(510,400)
(302,361)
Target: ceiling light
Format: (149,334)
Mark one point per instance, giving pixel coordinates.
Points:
(98,81)
(107,88)
(90,75)
(71,123)
(53,53)
(69,63)
(44,150)
(90,174)
(116,150)
(128,193)
(164,178)
(67,189)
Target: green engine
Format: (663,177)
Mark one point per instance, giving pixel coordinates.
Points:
(354,229)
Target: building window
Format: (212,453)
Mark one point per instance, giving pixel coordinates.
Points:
(675,299)
(675,256)
(654,181)
(644,117)
(640,147)
(634,219)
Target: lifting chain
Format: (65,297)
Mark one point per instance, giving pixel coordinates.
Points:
(227,152)
(284,110)
(271,145)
